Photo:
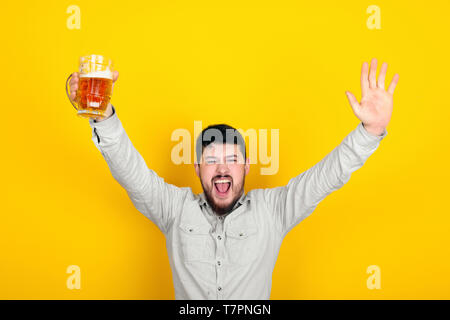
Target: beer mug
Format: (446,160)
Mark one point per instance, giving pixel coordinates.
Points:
(94,86)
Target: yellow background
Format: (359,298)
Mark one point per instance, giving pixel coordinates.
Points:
(253,64)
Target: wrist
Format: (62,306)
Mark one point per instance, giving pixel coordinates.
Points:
(376,131)
(108,114)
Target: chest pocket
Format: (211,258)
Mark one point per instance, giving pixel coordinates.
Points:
(195,242)
(241,245)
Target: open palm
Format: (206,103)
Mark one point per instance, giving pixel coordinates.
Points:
(375,108)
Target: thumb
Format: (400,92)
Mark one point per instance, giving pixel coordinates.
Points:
(353,102)
(115,76)
(114,79)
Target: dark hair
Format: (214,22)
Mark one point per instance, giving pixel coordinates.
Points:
(219,133)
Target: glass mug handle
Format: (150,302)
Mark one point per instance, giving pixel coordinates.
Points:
(67,92)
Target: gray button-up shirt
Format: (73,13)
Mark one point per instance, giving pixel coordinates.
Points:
(231,257)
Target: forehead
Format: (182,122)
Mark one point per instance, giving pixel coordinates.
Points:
(221,149)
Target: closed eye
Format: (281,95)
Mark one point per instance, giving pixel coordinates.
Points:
(210,160)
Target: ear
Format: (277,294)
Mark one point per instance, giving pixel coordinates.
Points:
(247,166)
(197,169)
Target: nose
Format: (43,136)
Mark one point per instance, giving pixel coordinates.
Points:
(222,168)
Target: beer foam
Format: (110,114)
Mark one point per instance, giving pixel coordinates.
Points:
(97,74)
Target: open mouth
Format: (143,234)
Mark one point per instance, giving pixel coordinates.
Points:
(222,186)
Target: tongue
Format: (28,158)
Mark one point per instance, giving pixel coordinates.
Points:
(223,187)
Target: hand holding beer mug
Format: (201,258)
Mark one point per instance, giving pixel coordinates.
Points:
(91,88)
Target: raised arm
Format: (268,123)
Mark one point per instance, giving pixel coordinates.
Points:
(150,194)
(290,204)
(153,197)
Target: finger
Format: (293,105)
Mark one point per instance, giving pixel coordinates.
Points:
(74,79)
(73,86)
(353,102)
(73,92)
(364,78)
(115,75)
(393,83)
(373,74)
(382,75)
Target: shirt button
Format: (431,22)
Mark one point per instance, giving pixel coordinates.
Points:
(219,288)
(219,263)
(219,237)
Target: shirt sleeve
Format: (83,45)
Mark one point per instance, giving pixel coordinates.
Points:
(292,203)
(150,194)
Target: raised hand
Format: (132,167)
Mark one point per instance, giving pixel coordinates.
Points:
(375,108)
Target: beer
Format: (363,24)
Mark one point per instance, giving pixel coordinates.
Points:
(93,94)
(94,86)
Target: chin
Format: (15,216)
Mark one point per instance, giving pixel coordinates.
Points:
(223,203)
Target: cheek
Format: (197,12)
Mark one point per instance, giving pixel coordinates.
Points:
(238,174)
(206,174)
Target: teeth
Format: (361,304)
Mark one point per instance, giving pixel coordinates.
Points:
(222,181)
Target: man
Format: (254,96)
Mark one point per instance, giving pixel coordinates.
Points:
(223,244)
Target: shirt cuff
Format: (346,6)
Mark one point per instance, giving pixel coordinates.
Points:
(366,139)
(108,127)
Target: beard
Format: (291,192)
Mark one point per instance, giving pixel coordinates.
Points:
(221,209)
